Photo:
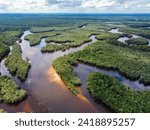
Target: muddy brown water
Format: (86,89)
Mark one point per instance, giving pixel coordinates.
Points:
(46,91)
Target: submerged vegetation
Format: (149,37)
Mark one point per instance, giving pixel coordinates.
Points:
(16,65)
(117,96)
(9,91)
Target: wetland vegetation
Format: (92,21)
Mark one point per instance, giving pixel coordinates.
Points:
(109,56)
(137,31)
(61,33)
(7,39)
(10,92)
(35,39)
(118,97)
(138,41)
(16,65)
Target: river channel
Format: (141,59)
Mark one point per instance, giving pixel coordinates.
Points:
(47,93)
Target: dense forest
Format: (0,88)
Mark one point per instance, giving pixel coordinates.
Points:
(4,51)
(108,56)
(10,92)
(7,39)
(138,41)
(35,39)
(16,65)
(117,96)
(64,31)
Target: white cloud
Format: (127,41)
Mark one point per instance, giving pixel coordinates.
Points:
(148,5)
(98,3)
(126,6)
(26,6)
(98,6)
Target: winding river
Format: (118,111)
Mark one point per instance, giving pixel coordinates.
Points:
(47,93)
(124,39)
(83,70)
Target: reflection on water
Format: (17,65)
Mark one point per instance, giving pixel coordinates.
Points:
(54,77)
(83,71)
(115,31)
(124,39)
(46,91)
(92,106)
(3,69)
(135,36)
(149,43)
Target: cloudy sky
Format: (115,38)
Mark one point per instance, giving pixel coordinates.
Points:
(74,6)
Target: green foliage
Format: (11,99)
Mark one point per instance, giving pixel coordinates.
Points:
(117,96)
(6,39)
(140,48)
(105,27)
(138,41)
(107,36)
(132,64)
(64,68)
(9,37)
(132,61)
(69,39)
(137,31)
(23,22)
(35,39)
(9,91)
(126,35)
(16,65)
(4,51)
(49,29)
(54,47)
(139,24)
(75,37)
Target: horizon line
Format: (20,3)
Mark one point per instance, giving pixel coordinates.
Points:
(72,13)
